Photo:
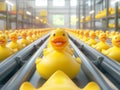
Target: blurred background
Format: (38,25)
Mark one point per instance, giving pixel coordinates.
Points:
(17,14)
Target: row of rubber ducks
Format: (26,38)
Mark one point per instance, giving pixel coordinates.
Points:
(11,43)
(101,14)
(58,66)
(97,39)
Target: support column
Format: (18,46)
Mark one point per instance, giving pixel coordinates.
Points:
(107,14)
(94,27)
(7,18)
(17,9)
(78,13)
(116,16)
(83,13)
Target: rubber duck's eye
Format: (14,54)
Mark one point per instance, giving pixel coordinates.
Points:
(53,34)
(63,34)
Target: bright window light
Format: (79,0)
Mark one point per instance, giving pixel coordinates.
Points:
(73,2)
(41,2)
(9,3)
(58,2)
(89,3)
(115,1)
(58,20)
(28,13)
(73,20)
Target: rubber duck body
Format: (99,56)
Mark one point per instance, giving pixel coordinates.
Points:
(102,45)
(114,52)
(59,58)
(14,44)
(30,38)
(24,41)
(59,81)
(4,51)
(92,40)
(86,35)
(80,34)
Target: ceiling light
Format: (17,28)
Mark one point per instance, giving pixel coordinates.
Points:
(28,13)
(82,17)
(37,17)
(8,2)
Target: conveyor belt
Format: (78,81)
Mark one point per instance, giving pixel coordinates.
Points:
(13,63)
(24,73)
(110,68)
(88,73)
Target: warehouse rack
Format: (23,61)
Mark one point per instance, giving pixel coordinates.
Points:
(104,20)
(19,16)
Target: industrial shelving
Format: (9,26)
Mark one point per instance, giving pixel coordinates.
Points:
(19,17)
(104,21)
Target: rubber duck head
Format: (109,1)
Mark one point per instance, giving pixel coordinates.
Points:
(30,33)
(97,33)
(116,40)
(1,32)
(86,33)
(81,32)
(3,40)
(59,39)
(14,37)
(24,35)
(92,35)
(102,37)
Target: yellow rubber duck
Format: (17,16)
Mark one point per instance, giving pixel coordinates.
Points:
(24,41)
(4,51)
(58,58)
(112,34)
(114,52)
(92,40)
(14,44)
(34,35)
(97,33)
(86,35)
(59,81)
(30,38)
(80,34)
(102,44)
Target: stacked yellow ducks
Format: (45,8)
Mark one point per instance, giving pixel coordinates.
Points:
(4,50)
(58,66)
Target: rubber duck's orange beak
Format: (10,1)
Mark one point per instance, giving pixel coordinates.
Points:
(14,38)
(2,42)
(58,42)
(103,38)
(93,36)
(117,41)
(24,35)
